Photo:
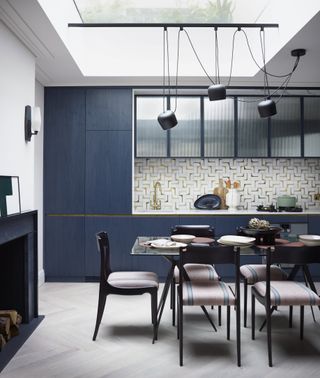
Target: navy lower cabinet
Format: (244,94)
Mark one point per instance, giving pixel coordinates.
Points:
(64,248)
(122,232)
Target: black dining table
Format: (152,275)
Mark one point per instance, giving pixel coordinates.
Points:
(142,247)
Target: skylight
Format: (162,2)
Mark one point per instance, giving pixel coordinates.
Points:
(123,52)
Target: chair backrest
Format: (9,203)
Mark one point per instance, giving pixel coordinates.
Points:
(104,249)
(202,230)
(207,254)
(293,255)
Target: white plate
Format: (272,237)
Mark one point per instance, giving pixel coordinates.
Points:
(310,237)
(168,245)
(234,239)
(310,240)
(182,238)
(241,245)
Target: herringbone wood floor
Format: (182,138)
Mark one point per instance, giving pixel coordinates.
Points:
(62,345)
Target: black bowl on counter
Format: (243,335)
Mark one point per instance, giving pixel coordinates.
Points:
(263,236)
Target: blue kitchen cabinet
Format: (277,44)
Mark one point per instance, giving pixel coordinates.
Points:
(109,109)
(108,172)
(64,258)
(64,158)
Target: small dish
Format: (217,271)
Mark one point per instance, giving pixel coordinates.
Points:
(182,238)
(240,245)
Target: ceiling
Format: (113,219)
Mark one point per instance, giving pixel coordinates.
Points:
(57,63)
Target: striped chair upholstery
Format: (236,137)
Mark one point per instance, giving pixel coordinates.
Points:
(257,272)
(198,272)
(197,293)
(288,293)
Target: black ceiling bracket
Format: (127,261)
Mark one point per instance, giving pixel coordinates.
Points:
(298,52)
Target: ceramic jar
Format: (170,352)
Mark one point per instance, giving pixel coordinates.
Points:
(233,199)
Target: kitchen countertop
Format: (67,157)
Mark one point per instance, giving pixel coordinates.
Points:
(224,212)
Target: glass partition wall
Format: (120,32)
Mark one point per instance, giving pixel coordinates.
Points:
(229,128)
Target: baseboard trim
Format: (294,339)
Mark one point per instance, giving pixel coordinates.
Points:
(41,277)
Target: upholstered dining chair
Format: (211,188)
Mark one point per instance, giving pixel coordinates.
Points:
(253,273)
(203,293)
(198,272)
(123,283)
(284,293)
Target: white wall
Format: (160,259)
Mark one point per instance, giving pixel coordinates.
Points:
(17,89)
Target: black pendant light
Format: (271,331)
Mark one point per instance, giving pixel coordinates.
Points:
(217,91)
(167,119)
(267,108)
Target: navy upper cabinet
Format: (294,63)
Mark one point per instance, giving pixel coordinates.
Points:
(64,158)
(109,109)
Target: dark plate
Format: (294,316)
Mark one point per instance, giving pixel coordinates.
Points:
(208,202)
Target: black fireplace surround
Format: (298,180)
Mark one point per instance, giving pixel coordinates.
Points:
(19,264)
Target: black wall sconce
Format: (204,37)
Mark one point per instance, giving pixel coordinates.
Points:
(32,122)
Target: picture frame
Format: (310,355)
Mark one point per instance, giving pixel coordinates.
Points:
(10,201)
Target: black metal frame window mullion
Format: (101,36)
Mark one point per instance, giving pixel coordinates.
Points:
(235,138)
(202,152)
(269,152)
(302,126)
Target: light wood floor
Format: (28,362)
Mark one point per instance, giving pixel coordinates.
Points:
(62,345)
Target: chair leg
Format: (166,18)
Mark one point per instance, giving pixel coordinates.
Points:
(290,316)
(253,316)
(173,301)
(228,322)
(268,314)
(180,327)
(154,306)
(245,304)
(208,317)
(301,321)
(101,306)
(219,315)
(238,335)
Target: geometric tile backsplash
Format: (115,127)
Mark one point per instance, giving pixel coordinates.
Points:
(261,180)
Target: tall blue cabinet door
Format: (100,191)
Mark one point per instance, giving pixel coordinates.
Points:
(109,109)
(64,157)
(108,172)
(64,248)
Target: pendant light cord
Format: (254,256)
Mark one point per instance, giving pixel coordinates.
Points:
(177,68)
(163,70)
(216,60)
(197,56)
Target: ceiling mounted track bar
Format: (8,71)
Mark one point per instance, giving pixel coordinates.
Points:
(169,25)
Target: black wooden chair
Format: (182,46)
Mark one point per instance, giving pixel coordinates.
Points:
(203,293)
(123,283)
(198,272)
(273,294)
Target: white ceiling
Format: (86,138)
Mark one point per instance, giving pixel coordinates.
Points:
(56,66)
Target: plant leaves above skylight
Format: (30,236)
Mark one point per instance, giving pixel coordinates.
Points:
(161,11)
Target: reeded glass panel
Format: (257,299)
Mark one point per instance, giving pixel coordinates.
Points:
(252,130)
(151,139)
(219,128)
(311,127)
(286,128)
(186,136)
